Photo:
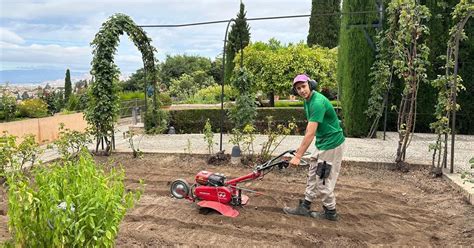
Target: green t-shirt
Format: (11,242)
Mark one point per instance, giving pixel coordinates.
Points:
(329,134)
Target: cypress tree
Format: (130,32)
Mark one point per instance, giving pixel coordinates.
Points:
(464,120)
(67,86)
(324,29)
(239,38)
(355,58)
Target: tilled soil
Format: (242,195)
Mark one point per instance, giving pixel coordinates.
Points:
(376,207)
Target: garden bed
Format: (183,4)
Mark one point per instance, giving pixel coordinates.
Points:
(377,207)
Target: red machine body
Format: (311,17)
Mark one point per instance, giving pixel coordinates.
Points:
(211,193)
(212,190)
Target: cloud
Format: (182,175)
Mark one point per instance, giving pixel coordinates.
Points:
(8,36)
(48,54)
(57,33)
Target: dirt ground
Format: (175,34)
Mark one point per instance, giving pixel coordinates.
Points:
(376,207)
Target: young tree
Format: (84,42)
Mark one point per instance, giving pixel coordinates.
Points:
(67,86)
(439,25)
(239,38)
(324,29)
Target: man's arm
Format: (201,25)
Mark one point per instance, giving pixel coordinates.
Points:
(307,140)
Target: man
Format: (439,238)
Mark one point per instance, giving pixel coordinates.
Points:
(326,160)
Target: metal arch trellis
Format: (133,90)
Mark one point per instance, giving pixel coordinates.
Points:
(379,11)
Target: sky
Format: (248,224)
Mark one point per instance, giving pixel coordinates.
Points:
(40,39)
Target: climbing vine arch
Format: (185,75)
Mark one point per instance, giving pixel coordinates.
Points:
(103,105)
(449,85)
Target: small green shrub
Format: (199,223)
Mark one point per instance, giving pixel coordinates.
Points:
(7,107)
(72,103)
(275,135)
(165,99)
(75,204)
(212,94)
(14,156)
(33,108)
(71,142)
(130,95)
(283,104)
(156,122)
(208,136)
(190,120)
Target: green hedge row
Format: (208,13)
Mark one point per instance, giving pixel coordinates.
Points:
(193,120)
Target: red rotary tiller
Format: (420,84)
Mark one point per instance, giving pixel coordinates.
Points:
(214,191)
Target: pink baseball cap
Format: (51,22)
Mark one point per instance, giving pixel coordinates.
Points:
(300,78)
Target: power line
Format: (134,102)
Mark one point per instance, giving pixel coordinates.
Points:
(253,19)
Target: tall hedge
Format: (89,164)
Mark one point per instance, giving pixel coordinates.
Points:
(193,120)
(324,29)
(465,117)
(355,57)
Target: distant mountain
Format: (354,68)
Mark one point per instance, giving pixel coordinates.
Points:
(43,76)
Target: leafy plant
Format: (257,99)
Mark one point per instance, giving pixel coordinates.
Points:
(236,137)
(212,94)
(209,136)
(188,148)
(137,153)
(14,156)
(7,106)
(28,151)
(75,204)
(247,142)
(71,142)
(245,110)
(468,176)
(8,150)
(275,137)
(381,78)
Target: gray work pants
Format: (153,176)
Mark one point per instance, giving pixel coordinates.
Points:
(324,188)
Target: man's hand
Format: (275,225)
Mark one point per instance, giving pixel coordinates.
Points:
(295,161)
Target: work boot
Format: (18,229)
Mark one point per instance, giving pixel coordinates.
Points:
(327,214)
(302,209)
